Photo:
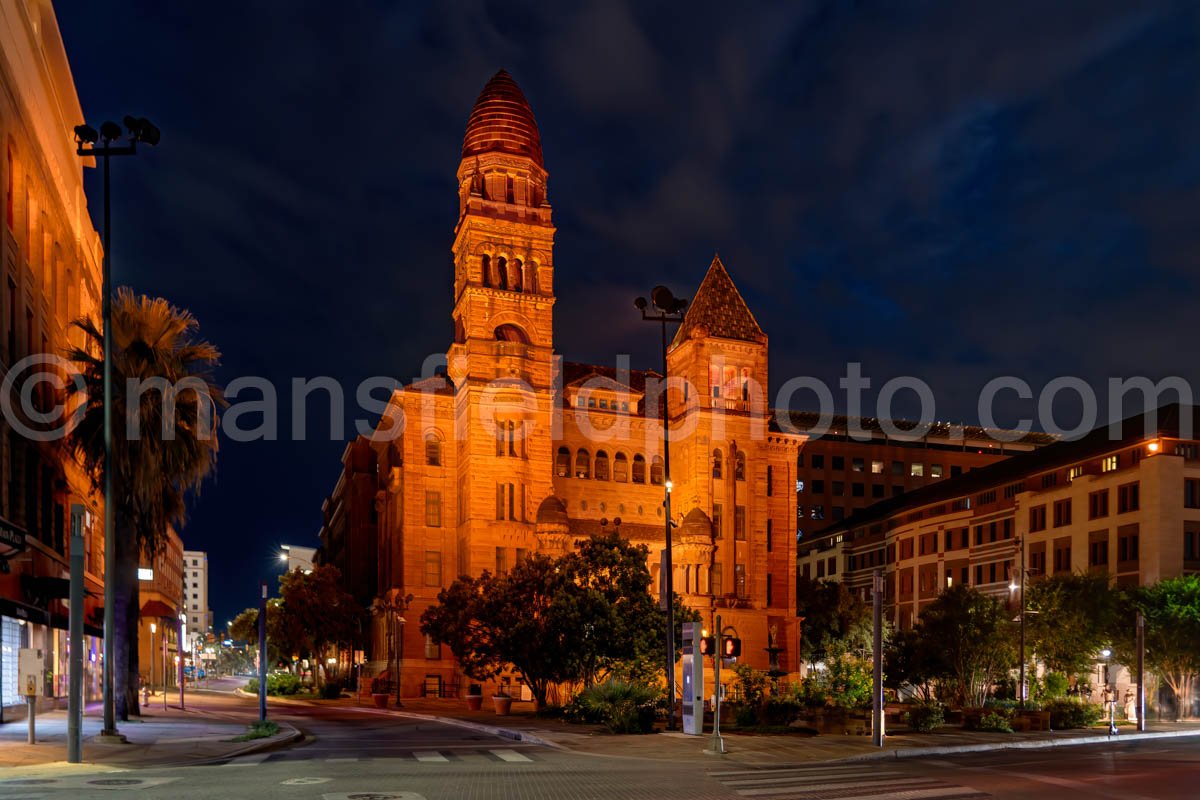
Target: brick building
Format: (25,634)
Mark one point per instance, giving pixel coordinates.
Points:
(513,451)
(1127,505)
(49,276)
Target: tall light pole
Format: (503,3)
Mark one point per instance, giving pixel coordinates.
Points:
(102,145)
(670,309)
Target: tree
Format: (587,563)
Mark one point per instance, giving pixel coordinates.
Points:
(564,620)
(906,664)
(164,420)
(245,629)
(832,614)
(1069,620)
(315,612)
(1171,608)
(966,639)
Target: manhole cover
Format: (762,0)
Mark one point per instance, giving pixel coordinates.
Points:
(115,782)
(375,796)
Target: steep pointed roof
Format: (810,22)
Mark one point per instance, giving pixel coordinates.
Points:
(502,120)
(719,310)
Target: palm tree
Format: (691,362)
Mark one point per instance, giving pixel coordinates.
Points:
(164,444)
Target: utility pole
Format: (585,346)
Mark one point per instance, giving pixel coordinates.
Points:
(262,652)
(75,637)
(877,677)
(716,744)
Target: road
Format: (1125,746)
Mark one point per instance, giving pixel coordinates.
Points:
(352,754)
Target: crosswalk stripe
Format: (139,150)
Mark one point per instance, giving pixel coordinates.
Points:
(511,756)
(854,769)
(430,757)
(341,760)
(828,781)
(813,777)
(806,787)
(248,761)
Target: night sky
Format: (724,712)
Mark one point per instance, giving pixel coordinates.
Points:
(949,190)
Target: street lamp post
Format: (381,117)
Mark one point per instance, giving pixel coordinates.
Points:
(670,309)
(101,144)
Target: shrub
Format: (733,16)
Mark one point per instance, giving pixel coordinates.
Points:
(997,723)
(282,683)
(745,716)
(752,683)
(332,690)
(778,710)
(1055,685)
(1068,713)
(621,706)
(1004,706)
(925,717)
(252,686)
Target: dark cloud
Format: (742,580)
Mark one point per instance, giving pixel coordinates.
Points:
(949,190)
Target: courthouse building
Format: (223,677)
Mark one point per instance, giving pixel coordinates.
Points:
(49,276)
(514,451)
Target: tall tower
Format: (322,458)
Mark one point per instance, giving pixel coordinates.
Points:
(501,362)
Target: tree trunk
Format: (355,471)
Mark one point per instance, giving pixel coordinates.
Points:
(125,612)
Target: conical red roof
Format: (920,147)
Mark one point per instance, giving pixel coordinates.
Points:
(719,310)
(502,121)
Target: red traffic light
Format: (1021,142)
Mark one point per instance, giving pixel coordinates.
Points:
(708,645)
(731,646)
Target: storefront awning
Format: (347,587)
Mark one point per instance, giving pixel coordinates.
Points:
(157,608)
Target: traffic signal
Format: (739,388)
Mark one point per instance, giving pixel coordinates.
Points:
(732,647)
(708,645)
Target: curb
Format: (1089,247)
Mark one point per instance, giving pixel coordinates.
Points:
(504,733)
(1029,744)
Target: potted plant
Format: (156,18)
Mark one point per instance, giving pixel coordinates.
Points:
(502,701)
(379,692)
(474,697)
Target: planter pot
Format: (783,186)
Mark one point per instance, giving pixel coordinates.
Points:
(381,700)
(503,705)
(474,702)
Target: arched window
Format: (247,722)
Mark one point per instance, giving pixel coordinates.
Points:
(583,464)
(512,443)
(501,273)
(487,269)
(621,468)
(739,466)
(531,278)
(601,465)
(656,471)
(639,468)
(433,450)
(717,470)
(511,333)
(518,275)
(562,464)
(460,332)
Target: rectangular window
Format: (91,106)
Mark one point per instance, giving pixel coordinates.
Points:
(857,465)
(433,650)
(433,568)
(877,490)
(1098,551)
(876,467)
(1127,498)
(979,574)
(522,554)
(1075,472)
(1098,504)
(739,575)
(718,520)
(1191,492)
(818,487)
(1050,479)
(10,177)
(935,471)
(839,463)
(499,501)
(1062,556)
(770,536)
(433,509)
(1191,542)
(739,523)
(501,560)
(716,585)
(770,480)
(916,470)
(1037,519)
(1062,513)
(839,489)
(1127,545)
(1110,464)
(857,490)
(818,461)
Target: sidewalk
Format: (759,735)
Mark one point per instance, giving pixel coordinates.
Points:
(159,738)
(750,749)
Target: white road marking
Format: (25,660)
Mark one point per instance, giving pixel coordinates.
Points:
(304,781)
(248,761)
(511,756)
(430,757)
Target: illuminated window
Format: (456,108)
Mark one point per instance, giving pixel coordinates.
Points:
(433,568)
(433,509)
(433,450)
(601,471)
(916,470)
(876,467)
(1110,463)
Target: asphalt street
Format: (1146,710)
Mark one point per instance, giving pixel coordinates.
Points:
(351,754)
